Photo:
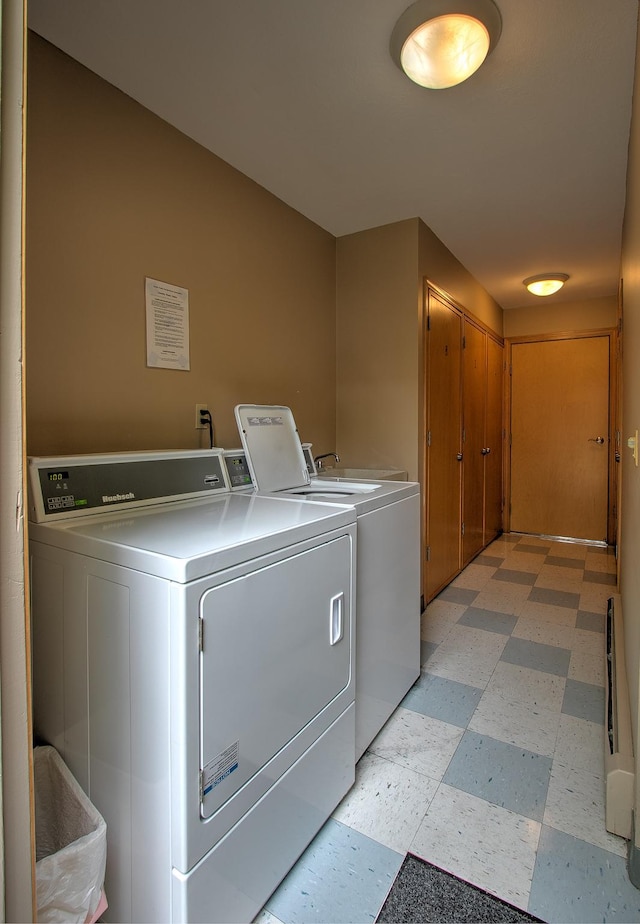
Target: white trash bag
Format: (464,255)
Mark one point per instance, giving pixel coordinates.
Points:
(71,844)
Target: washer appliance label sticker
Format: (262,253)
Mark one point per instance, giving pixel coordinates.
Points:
(265,422)
(220,767)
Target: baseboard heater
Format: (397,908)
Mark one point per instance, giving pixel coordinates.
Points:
(618,744)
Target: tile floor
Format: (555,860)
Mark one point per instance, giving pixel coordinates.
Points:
(492,766)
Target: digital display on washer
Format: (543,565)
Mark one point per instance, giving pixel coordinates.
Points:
(58,476)
(238,470)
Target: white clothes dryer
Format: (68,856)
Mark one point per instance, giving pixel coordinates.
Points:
(388,557)
(194,666)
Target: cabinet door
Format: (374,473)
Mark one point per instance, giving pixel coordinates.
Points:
(474,389)
(443,403)
(494,428)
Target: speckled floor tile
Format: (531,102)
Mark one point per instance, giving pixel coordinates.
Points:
(593,622)
(488,620)
(342,877)
(517,724)
(474,576)
(580,744)
(543,631)
(556,615)
(564,561)
(468,655)
(265,917)
(591,643)
(577,883)
(417,742)
(554,597)
(539,657)
(587,668)
(534,546)
(443,699)
(437,621)
(387,802)
(600,577)
(520,560)
(487,560)
(553,577)
(594,597)
(599,561)
(483,843)
(445,609)
(506,539)
(426,650)
(531,687)
(503,597)
(458,595)
(515,577)
(584,700)
(575,805)
(511,777)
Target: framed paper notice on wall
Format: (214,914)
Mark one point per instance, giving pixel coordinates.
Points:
(167,309)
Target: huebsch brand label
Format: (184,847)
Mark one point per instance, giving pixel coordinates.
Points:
(114,498)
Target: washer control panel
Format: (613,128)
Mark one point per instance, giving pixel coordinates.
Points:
(237,466)
(78,485)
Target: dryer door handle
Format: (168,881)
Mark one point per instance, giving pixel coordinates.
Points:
(336,618)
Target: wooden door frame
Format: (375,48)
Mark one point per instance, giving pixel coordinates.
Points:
(612,334)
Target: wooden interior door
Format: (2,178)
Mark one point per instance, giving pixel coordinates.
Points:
(560,437)
(443,405)
(494,427)
(474,390)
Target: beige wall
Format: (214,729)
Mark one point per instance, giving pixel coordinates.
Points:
(441,267)
(592,314)
(630,506)
(115,194)
(380,275)
(377,347)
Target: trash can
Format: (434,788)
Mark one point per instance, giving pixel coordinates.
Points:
(71,844)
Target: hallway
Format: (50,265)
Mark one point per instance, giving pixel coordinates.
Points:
(492,766)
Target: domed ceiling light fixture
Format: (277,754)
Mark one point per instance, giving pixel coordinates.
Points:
(440,43)
(545,283)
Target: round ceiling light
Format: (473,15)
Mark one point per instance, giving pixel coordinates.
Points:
(440,43)
(545,283)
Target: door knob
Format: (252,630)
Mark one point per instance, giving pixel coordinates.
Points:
(485,452)
(597,439)
(459,456)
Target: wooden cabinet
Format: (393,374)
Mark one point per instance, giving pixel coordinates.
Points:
(481,440)
(464,440)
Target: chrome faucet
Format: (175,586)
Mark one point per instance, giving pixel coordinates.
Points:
(318,459)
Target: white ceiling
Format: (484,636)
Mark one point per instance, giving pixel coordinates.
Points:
(518,171)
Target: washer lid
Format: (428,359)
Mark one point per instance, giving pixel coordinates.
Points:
(272,446)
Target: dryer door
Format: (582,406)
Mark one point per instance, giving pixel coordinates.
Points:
(276,651)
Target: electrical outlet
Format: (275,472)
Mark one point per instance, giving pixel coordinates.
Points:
(201,424)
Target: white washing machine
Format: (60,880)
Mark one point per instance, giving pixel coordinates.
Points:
(388,556)
(194,666)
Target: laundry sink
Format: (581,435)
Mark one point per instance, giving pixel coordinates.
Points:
(376,474)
